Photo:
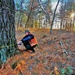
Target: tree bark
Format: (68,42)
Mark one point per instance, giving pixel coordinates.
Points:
(7,29)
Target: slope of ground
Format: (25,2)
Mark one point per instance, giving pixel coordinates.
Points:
(54,53)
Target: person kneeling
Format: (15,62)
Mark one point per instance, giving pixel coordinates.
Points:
(29,41)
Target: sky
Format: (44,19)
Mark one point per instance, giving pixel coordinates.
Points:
(54,2)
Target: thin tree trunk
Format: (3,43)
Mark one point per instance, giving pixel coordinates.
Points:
(18,24)
(54,16)
(19,18)
(28,19)
(60,26)
(7,29)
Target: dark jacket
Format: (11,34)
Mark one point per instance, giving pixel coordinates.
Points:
(27,38)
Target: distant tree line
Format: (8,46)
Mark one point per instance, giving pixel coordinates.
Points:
(36,10)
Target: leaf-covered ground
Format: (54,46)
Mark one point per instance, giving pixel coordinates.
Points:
(54,54)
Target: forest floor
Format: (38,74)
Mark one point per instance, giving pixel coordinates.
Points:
(55,54)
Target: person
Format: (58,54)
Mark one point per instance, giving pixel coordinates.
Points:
(29,41)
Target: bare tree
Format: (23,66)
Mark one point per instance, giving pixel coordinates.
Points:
(62,14)
(29,14)
(48,10)
(54,16)
(19,24)
(70,10)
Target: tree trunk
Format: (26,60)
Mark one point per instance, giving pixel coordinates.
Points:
(61,26)
(29,15)
(54,16)
(7,30)
(19,24)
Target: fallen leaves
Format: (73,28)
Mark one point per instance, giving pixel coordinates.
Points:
(19,68)
(56,71)
(53,56)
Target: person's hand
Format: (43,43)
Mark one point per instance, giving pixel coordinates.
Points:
(19,43)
